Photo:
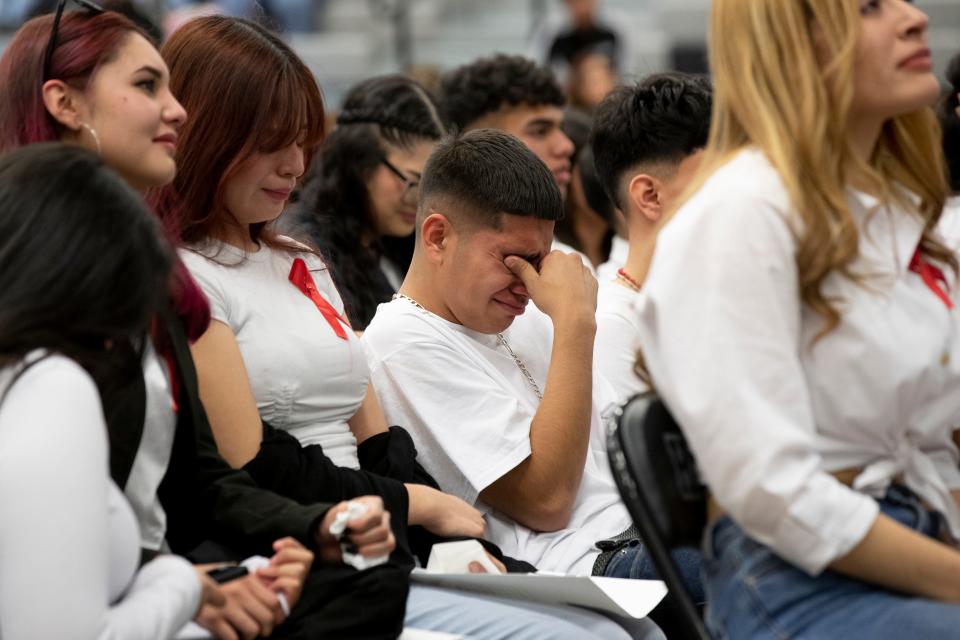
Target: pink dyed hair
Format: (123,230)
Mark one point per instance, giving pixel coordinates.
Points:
(84,42)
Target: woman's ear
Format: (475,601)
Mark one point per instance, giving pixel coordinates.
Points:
(436,235)
(63,103)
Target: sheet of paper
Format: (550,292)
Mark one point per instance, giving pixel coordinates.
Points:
(631,598)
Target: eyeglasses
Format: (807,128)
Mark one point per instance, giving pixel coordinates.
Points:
(411,187)
(52,42)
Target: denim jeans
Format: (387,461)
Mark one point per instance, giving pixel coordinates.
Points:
(481,617)
(632,561)
(754,594)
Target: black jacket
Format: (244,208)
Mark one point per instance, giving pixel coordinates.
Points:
(203,497)
(387,460)
(215,512)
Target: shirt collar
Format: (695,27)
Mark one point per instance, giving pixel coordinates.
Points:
(905,227)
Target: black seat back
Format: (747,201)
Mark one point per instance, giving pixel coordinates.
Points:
(661,488)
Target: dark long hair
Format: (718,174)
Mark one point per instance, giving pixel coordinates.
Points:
(84,261)
(334,212)
(950,123)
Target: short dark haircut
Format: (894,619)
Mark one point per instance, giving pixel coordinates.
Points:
(84,261)
(480,175)
(662,119)
(950,123)
(472,91)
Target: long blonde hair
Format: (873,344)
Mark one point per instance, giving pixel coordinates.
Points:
(773,91)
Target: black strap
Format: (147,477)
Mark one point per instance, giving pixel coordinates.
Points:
(610,546)
(125,409)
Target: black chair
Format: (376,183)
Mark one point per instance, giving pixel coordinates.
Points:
(661,487)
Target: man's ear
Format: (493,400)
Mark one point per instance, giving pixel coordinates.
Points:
(63,102)
(437,234)
(643,193)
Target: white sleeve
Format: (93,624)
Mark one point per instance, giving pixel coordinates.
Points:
(720,328)
(163,597)
(54,539)
(618,341)
(205,273)
(469,430)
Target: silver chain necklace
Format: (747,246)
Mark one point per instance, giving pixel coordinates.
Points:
(500,340)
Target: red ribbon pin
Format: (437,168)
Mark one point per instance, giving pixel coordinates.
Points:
(301,278)
(932,276)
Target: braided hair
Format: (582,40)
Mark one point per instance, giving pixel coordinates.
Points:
(334,211)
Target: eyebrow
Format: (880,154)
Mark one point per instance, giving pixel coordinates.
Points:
(532,258)
(151,70)
(542,122)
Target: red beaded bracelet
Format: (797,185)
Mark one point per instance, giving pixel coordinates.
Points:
(630,279)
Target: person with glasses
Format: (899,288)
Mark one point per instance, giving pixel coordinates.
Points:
(282,374)
(106,88)
(359,205)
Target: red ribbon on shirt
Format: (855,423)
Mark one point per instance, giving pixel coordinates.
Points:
(932,276)
(301,278)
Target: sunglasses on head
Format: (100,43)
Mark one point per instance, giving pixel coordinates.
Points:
(52,42)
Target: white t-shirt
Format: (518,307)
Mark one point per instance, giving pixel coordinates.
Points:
(69,544)
(469,409)
(619,250)
(618,340)
(560,246)
(306,379)
(769,413)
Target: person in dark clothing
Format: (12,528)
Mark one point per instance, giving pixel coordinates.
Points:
(105,88)
(280,348)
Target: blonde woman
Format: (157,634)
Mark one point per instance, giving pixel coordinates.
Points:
(800,321)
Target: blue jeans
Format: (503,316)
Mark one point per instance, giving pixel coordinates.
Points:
(480,617)
(632,561)
(754,594)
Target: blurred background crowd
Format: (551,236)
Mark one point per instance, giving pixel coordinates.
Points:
(590,44)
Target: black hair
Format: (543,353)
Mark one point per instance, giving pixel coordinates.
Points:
(950,123)
(84,262)
(472,91)
(593,189)
(485,173)
(662,119)
(334,211)
(576,126)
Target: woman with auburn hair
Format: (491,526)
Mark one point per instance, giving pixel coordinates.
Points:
(799,321)
(360,203)
(93,79)
(279,349)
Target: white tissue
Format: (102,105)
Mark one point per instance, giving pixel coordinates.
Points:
(337,529)
(259,562)
(455,557)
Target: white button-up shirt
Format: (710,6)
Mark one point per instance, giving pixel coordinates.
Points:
(767,411)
